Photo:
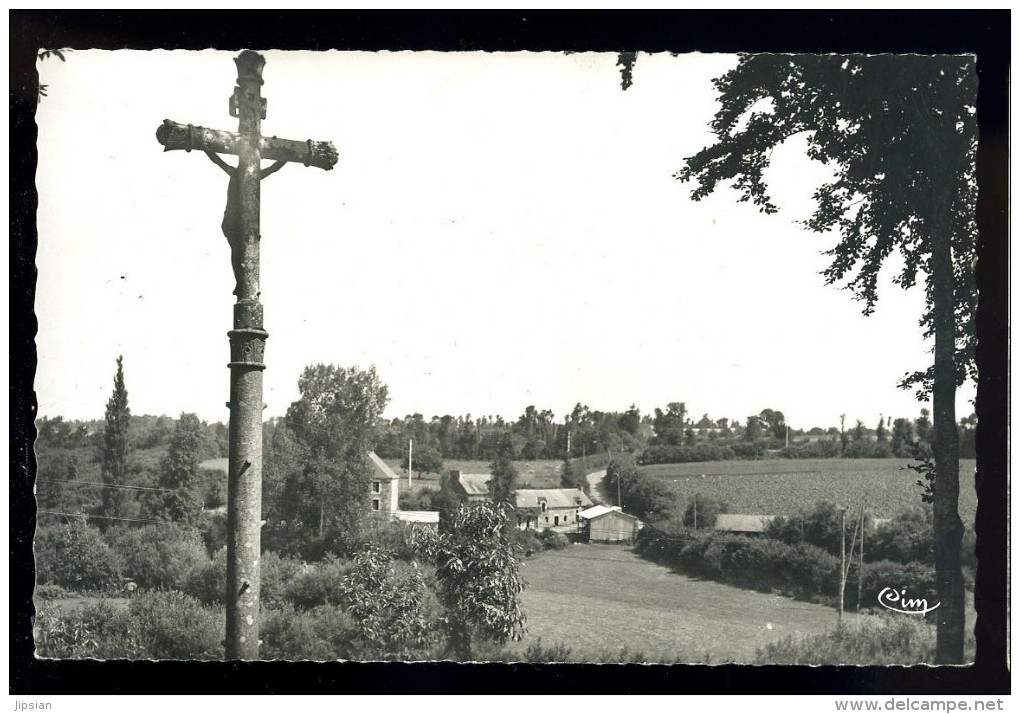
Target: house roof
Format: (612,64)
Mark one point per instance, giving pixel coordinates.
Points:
(417,516)
(380,469)
(475,484)
(599,511)
(739,523)
(553,498)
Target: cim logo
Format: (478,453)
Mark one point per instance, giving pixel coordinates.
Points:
(899,602)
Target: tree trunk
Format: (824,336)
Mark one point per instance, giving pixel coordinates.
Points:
(948,529)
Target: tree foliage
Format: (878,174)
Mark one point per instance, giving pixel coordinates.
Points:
(899,134)
(324,496)
(181,502)
(115,451)
(478,571)
(504,474)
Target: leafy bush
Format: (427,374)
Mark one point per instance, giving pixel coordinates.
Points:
(668,454)
(647,497)
(419,500)
(802,571)
(535,652)
(819,527)
(321,584)
(172,625)
(526,541)
(276,574)
(478,577)
(96,631)
(917,578)
(388,606)
(207,583)
(551,540)
(822,449)
(50,592)
(214,532)
(877,641)
(908,537)
(322,633)
(159,556)
(157,625)
(702,511)
(75,556)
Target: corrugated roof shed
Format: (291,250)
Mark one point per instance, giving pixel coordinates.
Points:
(381,469)
(739,523)
(553,498)
(598,511)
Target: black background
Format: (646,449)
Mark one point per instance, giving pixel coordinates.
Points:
(984,33)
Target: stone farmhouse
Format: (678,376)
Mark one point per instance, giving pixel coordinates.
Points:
(549,507)
(471,487)
(384,493)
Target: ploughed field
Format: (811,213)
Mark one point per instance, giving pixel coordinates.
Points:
(779,487)
(603,600)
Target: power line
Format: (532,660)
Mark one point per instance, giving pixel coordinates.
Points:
(105,518)
(106,485)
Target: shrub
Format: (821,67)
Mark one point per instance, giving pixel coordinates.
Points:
(526,540)
(159,556)
(388,606)
(392,536)
(818,527)
(172,625)
(800,570)
(907,537)
(97,631)
(320,584)
(323,633)
(420,500)
(276,574)
(917,578)
(75,556)
(49,592)
(877,641)
(702,511)
(207,583)
(214,532)
(551,540)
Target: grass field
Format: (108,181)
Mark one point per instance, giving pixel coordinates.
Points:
(778,487)
(599,599)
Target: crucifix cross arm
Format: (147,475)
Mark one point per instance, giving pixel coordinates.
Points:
(229,170)
(175,136)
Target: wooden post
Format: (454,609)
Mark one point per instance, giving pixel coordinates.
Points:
(248,336)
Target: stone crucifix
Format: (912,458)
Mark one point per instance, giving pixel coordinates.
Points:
(248,338)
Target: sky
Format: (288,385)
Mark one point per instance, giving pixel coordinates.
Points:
(501,230)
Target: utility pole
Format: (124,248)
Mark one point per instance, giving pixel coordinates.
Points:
(248,336)
(842,560)
(410,460)
(860,562)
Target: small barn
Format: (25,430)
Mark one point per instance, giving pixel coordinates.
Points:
(470,487)
(608,524)
(549,507)
(739,523)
